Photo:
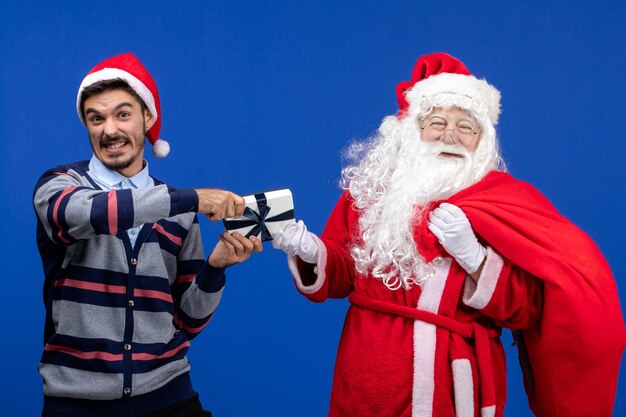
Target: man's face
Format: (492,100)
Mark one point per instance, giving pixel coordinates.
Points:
(451,126)
(117,125)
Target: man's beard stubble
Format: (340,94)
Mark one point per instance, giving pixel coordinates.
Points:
(119,164)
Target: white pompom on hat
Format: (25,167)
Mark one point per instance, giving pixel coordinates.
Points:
(440,80)
(129,69)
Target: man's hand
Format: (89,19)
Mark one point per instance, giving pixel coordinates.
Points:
(454,231)
(295,240)
(218,204)
(233,249)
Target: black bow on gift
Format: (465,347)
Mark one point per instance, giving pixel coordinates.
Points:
(258,219)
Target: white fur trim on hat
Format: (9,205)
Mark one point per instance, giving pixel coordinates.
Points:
(110,74)
(161,148)
(449,89)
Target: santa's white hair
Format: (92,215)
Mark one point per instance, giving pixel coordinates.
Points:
(394,174)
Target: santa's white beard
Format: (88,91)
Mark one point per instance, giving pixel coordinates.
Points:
(397,177)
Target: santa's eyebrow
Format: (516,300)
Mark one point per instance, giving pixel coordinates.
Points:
(467,119)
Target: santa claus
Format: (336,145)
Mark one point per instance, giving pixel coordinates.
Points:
(437,249)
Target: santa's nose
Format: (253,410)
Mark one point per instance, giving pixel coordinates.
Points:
(448,137)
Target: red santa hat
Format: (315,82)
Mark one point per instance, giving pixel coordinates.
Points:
(129,69)
(441,80)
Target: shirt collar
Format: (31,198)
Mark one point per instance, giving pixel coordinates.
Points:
(112,178)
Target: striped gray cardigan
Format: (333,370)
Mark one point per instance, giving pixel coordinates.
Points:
(119,318)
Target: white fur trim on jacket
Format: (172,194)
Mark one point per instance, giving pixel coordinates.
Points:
(320,269)
(478,294)
(488,411)
(448,89)
(425,342)
(463,388)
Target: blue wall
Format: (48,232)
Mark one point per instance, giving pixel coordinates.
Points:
(260,95)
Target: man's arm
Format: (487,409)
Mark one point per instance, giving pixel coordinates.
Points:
(219,204)
(198,287)
(199,284)
(70,211)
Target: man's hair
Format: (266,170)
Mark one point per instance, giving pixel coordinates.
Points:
(107,85)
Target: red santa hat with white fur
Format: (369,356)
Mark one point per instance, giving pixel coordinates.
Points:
(441,80)
(129,69)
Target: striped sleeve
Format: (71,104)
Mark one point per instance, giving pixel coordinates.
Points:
(198,287)
(70,209)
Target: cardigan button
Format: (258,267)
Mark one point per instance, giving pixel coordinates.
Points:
(127,346)
(126,391)
(133,261)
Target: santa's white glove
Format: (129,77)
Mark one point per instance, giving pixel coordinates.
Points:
(295,240)
(454,231)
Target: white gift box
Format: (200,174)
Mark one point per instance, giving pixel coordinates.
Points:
(265,214)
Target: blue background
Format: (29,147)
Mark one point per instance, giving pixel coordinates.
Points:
(260,95)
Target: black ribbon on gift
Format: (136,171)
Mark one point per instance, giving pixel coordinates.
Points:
(258,219)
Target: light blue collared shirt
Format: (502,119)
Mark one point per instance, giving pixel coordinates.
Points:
(108,179)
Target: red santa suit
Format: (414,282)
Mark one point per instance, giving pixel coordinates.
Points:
(435,351)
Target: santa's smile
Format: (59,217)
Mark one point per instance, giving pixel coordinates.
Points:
(450,155)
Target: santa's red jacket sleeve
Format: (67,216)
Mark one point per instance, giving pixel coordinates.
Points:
(575,351)
(333,257)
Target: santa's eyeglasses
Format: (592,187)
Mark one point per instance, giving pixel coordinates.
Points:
(438,126)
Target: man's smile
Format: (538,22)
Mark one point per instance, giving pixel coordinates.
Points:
(114,145)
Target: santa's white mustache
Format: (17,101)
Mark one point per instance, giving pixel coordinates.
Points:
(438,148)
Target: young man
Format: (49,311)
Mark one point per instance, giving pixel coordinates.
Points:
(437,249)
(126,282)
